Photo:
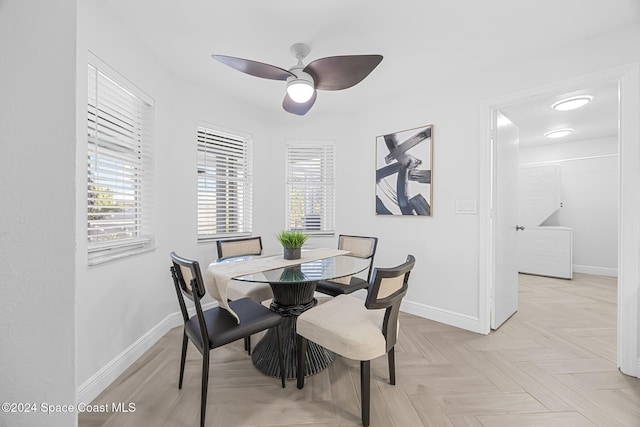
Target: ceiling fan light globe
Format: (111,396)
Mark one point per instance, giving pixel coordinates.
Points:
(300,90)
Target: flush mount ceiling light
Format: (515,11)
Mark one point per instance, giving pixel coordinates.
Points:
(572,103)
(558,133)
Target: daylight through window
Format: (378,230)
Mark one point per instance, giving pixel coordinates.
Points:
(119,166)
(224,184)
(310,188)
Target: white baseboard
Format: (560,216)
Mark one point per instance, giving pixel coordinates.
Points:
(99,381)
(599,271)
(447,317)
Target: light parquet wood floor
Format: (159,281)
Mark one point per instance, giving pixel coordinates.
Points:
(552,364)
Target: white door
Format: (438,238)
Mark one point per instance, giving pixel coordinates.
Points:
(506,167)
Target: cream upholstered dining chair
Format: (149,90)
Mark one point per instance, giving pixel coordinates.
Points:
(215,327)
(236,290)
(359,331)
(360,246)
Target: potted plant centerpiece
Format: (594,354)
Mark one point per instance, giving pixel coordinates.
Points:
(291,241)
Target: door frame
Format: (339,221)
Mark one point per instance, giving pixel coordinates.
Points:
(628,79)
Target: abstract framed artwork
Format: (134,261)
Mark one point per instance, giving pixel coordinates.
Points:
(403,172)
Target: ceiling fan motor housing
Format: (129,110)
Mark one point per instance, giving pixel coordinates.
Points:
(300,51)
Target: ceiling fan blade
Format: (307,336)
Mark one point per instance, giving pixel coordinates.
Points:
(298,108)
(341,72)
(254,68)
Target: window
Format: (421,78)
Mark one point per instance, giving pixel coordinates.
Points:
(224,184)
(310,187)
(119,178)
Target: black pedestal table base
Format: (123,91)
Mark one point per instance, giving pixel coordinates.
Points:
(290,300)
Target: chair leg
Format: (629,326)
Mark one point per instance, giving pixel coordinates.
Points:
(365,390)
(392,366)
(247,344)
(205,383)
(280,355)
(185,342)
(302,350)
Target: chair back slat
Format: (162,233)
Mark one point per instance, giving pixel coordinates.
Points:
(389,286)
(237,247)
(187,277)
(360,246)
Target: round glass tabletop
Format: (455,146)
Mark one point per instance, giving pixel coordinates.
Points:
(308,271)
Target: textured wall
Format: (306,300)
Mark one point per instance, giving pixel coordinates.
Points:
(37,210)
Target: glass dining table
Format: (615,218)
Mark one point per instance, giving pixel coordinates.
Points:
(293,293)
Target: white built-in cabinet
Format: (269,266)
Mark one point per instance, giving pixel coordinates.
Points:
(546,251)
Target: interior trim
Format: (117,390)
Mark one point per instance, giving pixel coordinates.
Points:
(628,78)
(447,317)
(598,271)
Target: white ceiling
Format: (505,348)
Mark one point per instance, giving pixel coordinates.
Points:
(423,42)
(596,120)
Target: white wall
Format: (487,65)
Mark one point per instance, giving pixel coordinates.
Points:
(444,282)
(37,217)
(589,187)
(269,170)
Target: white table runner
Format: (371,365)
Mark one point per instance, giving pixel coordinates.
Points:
(217,276)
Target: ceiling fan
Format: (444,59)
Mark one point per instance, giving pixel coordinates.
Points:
(330,73)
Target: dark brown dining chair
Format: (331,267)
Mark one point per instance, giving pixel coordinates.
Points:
(360,246)
(357,331)
(215,327)
(236,290)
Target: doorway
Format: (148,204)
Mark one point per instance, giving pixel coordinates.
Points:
(626,79)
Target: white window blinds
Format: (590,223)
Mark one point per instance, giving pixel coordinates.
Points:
(310,187)
(224,184)
(120,166)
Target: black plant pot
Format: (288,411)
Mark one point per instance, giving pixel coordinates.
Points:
(292,253)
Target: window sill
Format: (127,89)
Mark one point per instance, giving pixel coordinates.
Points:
(209,239)
(97,259)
